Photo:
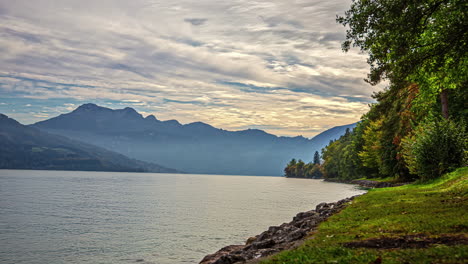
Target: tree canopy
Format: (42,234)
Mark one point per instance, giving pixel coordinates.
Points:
(420,47)
(405,37)
(422,41)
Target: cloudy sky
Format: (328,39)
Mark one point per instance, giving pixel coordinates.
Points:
(237,64)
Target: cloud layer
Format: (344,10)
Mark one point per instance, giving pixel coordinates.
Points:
(275,65)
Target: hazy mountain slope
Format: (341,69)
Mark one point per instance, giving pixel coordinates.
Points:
(333,133)
(23,147)
(194,148)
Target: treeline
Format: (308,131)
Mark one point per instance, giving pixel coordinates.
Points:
(394,139)
(299,169)
(417,127)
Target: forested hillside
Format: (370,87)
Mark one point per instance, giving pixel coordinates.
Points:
(23,147)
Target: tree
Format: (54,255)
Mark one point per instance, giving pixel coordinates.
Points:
(371,154)
(290,170)
(314,171)
(300,169)
(423,41)
(391,119)
(316,158)
(340,157)
(436,147)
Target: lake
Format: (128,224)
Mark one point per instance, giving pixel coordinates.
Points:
(107,217)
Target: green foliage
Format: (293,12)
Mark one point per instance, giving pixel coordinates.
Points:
(290,170)
(433,209)
(405,38)
(421,47)
(436,147)
(371,150)
(298,169)
(316,157)
(341,156)
(314,171)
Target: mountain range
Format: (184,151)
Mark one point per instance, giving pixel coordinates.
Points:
(23,147)
(194,148)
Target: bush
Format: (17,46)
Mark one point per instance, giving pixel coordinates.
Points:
(435,147)
(314,171)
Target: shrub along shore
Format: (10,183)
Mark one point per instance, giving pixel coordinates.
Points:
(415,223)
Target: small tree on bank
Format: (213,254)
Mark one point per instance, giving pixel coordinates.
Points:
(316,158)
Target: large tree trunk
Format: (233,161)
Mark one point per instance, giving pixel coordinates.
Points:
(444,102)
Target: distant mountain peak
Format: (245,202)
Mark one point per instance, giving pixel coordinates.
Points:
(172,122)
(151,118)
(96,109)
(88,106)
(129,109)
(199,124)
(4,119)
(254,131)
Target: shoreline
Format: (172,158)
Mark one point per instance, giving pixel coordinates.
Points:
(277,238)
(367,183)
(288,235)
(362,183)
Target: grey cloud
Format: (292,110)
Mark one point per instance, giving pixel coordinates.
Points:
(189,41)
(21,35)
(277,21)
(333,36)
(3,10)
(149,50)
(196,21)
(128,68)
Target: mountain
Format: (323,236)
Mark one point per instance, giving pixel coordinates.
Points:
(333,133)
(23,147)
(194,148)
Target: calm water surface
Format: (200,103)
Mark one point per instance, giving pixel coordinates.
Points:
(101,217)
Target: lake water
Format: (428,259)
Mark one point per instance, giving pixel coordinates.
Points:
(102,217)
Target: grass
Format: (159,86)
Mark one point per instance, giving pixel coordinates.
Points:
(386,179)
(423,211)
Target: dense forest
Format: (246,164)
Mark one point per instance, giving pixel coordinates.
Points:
(417,127)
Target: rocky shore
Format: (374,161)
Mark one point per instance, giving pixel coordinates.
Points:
(277,238)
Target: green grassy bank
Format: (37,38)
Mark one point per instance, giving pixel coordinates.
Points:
(417,223)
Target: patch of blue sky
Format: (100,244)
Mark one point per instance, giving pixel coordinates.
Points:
(360,99)
(46,83)
(165,100)
(249,88)
(28,105)
(30,110)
